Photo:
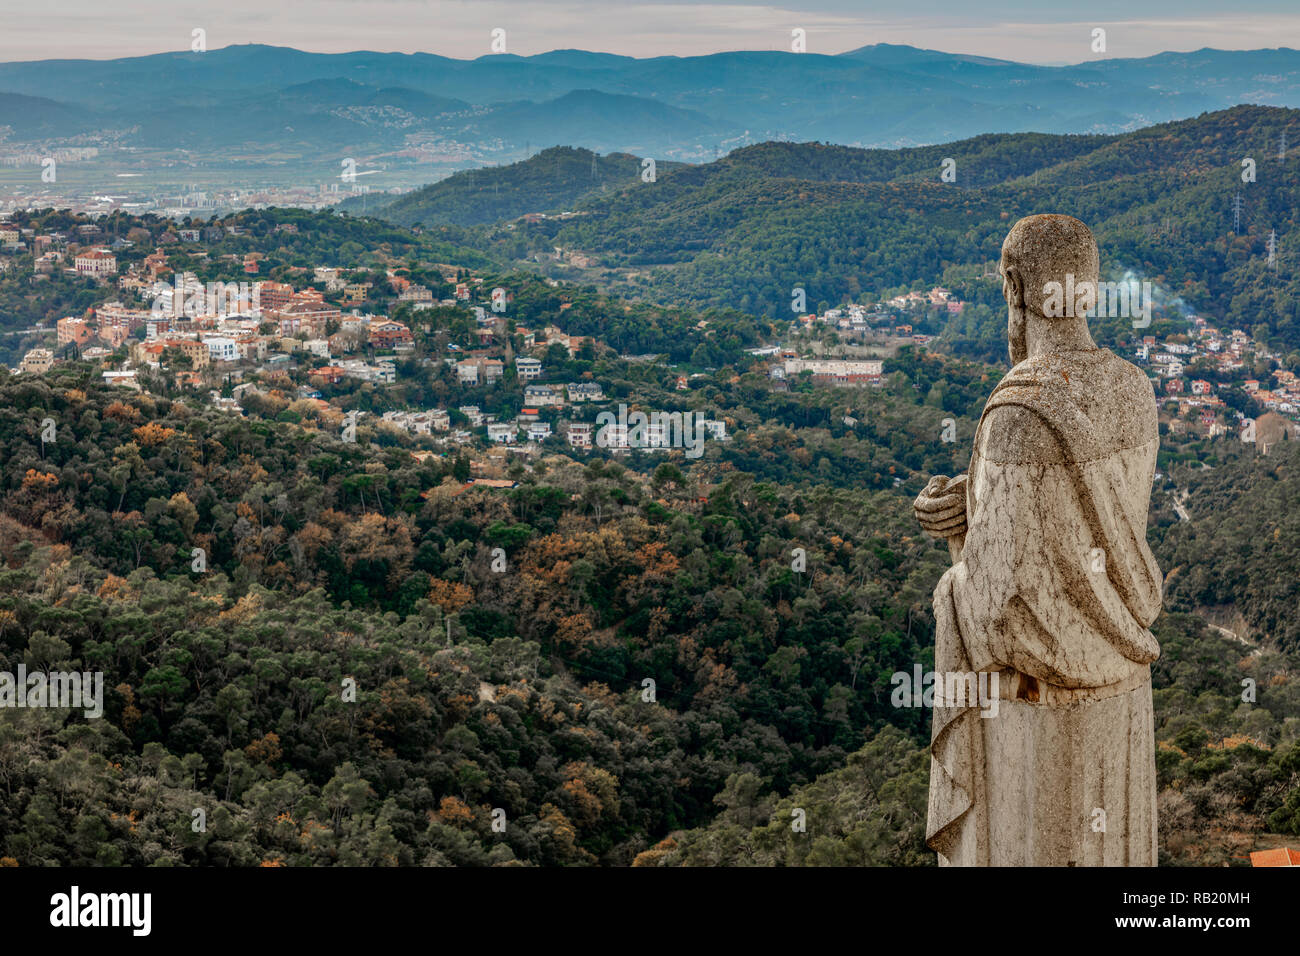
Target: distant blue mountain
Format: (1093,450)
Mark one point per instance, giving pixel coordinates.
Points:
(673,107)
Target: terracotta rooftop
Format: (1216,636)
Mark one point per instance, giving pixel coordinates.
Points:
(1282,856)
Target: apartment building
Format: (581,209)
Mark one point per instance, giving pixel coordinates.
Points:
(96,263)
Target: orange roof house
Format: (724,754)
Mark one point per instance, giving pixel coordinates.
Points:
(332,374)
(389,334)
(1282,856)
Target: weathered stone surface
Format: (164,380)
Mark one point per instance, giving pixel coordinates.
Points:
(1053,588)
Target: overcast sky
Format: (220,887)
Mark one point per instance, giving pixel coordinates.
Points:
(1036,31)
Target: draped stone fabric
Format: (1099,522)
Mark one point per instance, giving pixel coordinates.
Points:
(1055,591)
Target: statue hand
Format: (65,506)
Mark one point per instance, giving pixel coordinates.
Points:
(941,507)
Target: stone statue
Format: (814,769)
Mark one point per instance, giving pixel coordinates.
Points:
(1052,590)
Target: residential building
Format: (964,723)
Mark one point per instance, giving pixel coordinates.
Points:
(528,368)
(96,263)
(342,342)
(479,371)
(252,348)
(585,392)
(197,352)
(74,331)
(222,349)
(305,315)
(542,395)
(417,294)
(504,433)
(147,353)
(1282,856)
(420,423)
(37,361)
(390,335)
(383,372)
(125,379)
(331,374)
(579,434)
(273,296)
(838,371)
(116,315)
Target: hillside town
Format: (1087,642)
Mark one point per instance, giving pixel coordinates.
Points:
(1194,405)
(233,344)
(310,340)
(1190,371)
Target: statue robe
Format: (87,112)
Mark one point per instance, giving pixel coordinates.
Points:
(1054,591)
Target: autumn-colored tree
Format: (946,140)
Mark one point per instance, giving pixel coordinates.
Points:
(122,412)
(39,481)
(151,434)
(266,750)
(451,596)
(455,812)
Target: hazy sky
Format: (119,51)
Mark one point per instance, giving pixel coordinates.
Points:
(1038,31)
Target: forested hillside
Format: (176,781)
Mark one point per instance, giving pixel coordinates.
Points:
(553,180)
(847,225)
(1228,772)
(524,690)
(1241,549)
(520,690)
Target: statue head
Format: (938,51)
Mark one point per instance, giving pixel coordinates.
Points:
(1039,251)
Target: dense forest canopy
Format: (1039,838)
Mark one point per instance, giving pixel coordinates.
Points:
(524,691)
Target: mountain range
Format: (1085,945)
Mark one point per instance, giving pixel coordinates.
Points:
(686,108)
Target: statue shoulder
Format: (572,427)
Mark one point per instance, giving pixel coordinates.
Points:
(1014,433)
(1015,428)
(1136,379)
(1132,399)
(1068,406)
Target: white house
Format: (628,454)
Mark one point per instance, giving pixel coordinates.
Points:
(222,349)
(504,433)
